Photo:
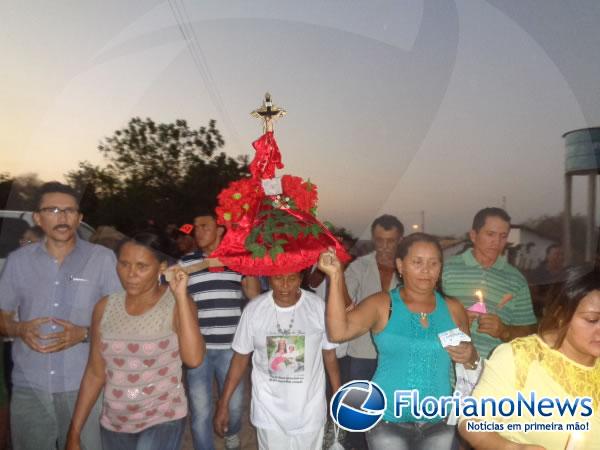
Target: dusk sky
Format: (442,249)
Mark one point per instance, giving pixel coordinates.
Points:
(393,107)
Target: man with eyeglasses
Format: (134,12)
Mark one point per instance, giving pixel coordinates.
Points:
(53,285)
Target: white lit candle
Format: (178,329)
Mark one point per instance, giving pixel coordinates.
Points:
(479,295)
(479,306)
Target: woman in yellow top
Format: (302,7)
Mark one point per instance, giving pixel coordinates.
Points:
(561,361)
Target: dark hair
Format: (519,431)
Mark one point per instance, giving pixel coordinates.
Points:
(483,214)
(205,212)
(387,222)
(579,282)
(156,243)
(37,230)
(213,214)
(414,238)
(53,187)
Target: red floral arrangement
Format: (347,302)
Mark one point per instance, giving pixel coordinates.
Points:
(237,200)
(242,197)
(303,193)
(271,234)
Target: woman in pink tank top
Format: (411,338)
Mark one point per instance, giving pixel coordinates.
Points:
(139,339)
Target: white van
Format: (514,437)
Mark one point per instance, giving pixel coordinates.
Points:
(14,223)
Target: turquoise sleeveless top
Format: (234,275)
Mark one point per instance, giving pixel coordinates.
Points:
(411,356)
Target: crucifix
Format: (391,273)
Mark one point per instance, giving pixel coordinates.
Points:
(268,113)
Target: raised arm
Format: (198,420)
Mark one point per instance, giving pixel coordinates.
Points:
(92,382)
(315,278)
(185,320)
(341,325)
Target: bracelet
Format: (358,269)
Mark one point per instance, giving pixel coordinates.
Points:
(86,338)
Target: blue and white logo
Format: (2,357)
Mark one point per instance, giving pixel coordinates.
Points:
(358,405)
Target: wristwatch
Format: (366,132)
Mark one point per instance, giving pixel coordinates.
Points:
(472,366)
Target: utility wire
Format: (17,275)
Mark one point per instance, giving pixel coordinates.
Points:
(199,60)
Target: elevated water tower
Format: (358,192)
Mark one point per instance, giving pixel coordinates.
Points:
(582,159)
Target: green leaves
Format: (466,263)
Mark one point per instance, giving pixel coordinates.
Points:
(257,250)
(278,249)
(314,229)
(269,236)
(158,171)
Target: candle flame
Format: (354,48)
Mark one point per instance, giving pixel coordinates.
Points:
(479,295)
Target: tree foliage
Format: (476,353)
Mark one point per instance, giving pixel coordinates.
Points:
(159,172)
(19,192)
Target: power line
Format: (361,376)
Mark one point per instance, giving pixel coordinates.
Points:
(191,40)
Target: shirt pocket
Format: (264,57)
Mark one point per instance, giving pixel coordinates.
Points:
(83,294)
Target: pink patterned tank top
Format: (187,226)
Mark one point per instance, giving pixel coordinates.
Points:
(143,367)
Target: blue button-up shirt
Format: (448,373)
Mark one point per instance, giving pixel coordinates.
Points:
(33,284)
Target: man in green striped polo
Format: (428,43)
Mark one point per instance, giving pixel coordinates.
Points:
(504,289)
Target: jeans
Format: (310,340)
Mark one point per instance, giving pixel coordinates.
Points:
(411,436)
(40,420)
(359,369)
(200,382)
(163,436)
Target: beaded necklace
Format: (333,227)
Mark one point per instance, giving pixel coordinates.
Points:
(289,328)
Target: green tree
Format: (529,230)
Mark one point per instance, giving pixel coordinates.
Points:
(162,172)
(19,192)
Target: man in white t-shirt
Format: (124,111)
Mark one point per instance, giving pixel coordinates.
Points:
(284,331)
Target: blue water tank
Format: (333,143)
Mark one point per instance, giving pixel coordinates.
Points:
(583,151)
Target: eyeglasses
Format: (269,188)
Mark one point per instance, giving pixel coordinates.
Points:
(55,211)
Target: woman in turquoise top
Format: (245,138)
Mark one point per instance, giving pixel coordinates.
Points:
(405,324)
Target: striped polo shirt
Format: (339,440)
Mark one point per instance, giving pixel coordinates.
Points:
(218,297)
(463,275)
